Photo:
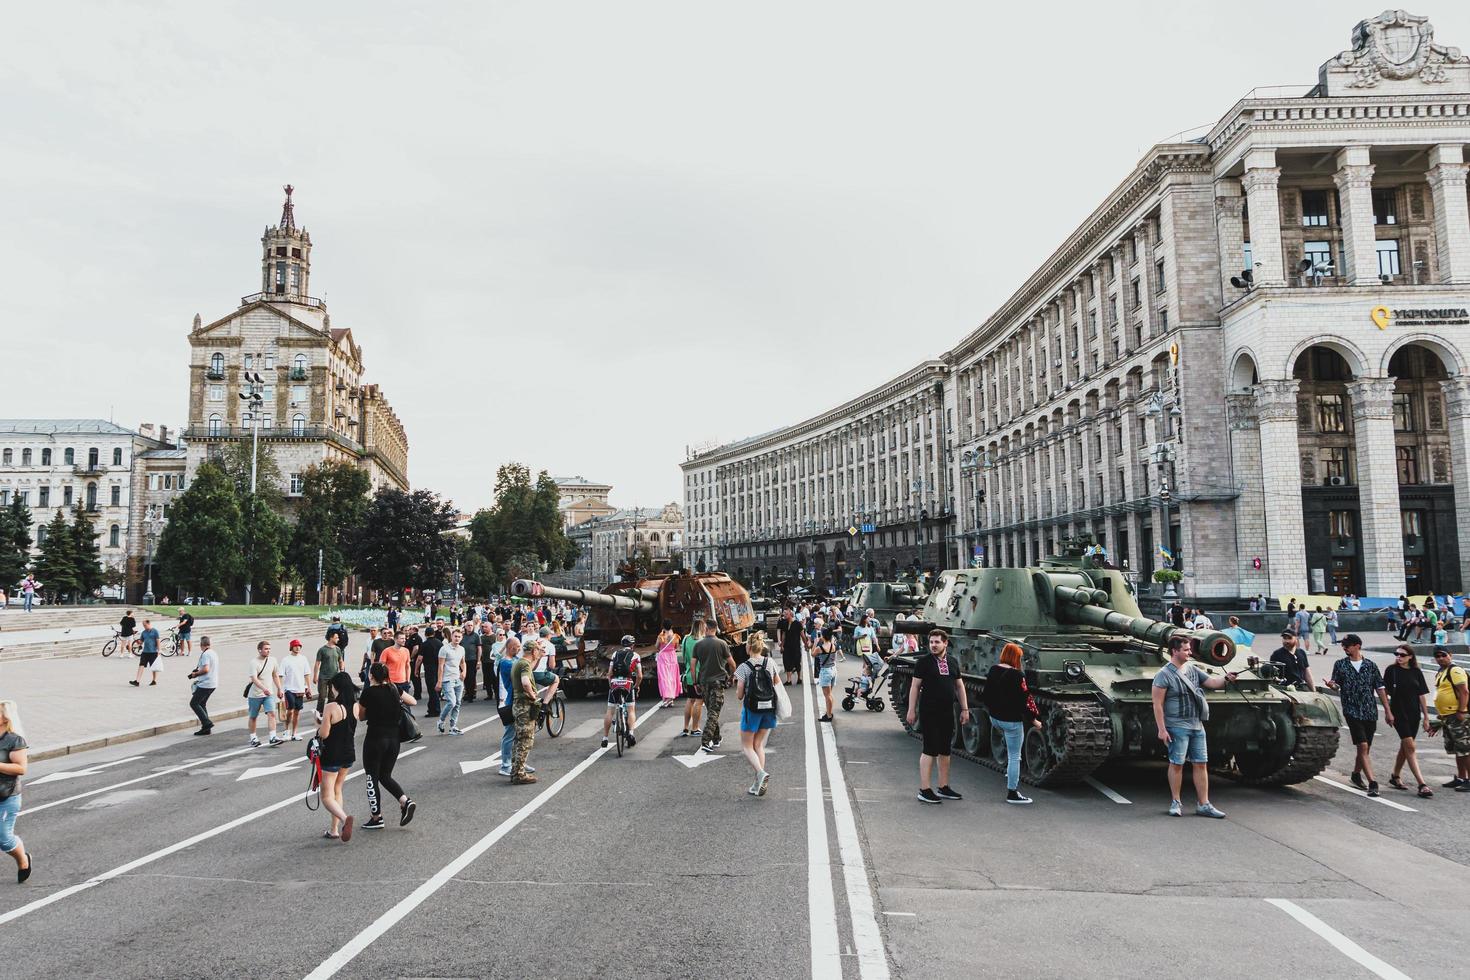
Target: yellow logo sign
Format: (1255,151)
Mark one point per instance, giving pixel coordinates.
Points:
(1381,316)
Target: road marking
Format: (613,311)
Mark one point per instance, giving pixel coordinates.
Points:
(465,768)
(1110,794)
(139,779)
(133,865)
(586,729)
(421,894)
(485,721)
(1341,943)
(697,759)
(255,772)
(1357,792)
(821,899)
(57,777)
(872,961)
(907,915)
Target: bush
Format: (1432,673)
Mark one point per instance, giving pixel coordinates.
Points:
(1168,576)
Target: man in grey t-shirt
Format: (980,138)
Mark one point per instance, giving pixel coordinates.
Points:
(1180,712)
(206,678)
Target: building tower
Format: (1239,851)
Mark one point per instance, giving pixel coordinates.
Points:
(285,263)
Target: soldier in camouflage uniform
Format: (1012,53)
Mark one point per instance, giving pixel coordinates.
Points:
(524,707)
(713,666)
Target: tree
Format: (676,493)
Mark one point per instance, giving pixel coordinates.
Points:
(56,564)
(401,541)
(265,534)
(15,542)
(200,549)
(234,459)
(525,521)
(476,573)
(334,501)
(86,554)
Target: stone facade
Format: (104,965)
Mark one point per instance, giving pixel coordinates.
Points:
(1266,321)
(582,499)
(605,541)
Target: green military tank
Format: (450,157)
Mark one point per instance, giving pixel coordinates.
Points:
(886,599)
(1090,658)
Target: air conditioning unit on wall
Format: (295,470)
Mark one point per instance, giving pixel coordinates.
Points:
(1335,481)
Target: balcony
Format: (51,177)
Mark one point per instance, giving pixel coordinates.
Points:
(88,469)
(214,375)
(283,297)
(309,433)
(298,374)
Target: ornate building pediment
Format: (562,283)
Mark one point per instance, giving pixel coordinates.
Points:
(1395,53)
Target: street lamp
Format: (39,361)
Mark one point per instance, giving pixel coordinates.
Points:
(920,487)
(1159,409)
(254,398)
(152,526)
(974,463)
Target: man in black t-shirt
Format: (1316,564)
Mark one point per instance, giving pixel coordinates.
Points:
(1295,667)
(932,695)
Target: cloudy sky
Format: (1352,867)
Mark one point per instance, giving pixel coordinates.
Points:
(582,235)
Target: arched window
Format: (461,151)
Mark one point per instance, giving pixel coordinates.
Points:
(298,424)
(117,456)
(114,536)
(117,496)
(68,456)
(298,367)
(217,365)
(45,457)
(91,496)
(25,457)
(215,423)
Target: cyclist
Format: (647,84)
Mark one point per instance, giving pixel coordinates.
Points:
(624,677)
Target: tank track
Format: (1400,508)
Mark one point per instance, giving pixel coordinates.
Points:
(1088,743)
(1315,747)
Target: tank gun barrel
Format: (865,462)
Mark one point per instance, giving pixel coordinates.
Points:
(1085,607)
(634,600)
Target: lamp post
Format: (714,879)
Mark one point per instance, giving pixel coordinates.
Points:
(1164,410)
(974,463)
(920,487)
(254,398)
(152,526)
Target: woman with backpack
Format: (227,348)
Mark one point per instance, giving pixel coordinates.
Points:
(756,681)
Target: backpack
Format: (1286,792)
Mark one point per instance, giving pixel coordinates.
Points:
(622,663)
(760,689)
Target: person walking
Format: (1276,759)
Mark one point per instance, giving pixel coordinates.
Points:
(337,731)
(1408,701)
(13,764)
(1452,704)
(755,689)
(148,658)
(381,706)
(935,688)
(526,710)
(713,667)
(1011,708)
(693,699)
(205,676)
(329,660)
(263,692)
(788,634)
(1302,623)
(186,630)
(492,648)
(824,663)
(666,665)
(452,666)
(295,684)
(1360,685)
(396,659)
(510,653)
(1180,711)
(1332,625)
(470,640)
(426,661)
(1318,625)
(28,592)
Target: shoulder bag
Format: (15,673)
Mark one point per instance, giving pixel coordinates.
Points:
(249,685)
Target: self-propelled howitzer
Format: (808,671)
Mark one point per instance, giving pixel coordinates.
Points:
(1090,656)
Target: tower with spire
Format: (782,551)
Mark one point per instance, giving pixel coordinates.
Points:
(285,262)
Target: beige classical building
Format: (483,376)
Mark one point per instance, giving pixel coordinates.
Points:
(582,499)
(315,405)
(1247,361)
(606,541)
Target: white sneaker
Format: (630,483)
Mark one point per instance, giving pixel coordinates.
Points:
(505,772)
(295,738)
(254,742)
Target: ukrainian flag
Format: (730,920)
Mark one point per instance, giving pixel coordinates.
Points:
(1165,553)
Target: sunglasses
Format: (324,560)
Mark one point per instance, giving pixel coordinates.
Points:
(1402,653)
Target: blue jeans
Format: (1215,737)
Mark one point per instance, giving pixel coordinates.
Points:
(28,598)
(507,745)
(1015,733)
(451,693)
(9,810)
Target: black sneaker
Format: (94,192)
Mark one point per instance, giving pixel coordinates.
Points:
(630,740)
(1373,788)
(1455,783)
(407,813)
(1357,780)
(949,794)
(1014,796)
(376,823)
(1464,786)
(604,743)
(927,796)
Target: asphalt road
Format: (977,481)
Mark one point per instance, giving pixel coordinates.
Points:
(157,859)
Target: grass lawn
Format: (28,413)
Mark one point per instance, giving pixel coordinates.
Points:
(240,612)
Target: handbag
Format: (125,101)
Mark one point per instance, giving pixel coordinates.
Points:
(249,686)
(783,701)
(408,729)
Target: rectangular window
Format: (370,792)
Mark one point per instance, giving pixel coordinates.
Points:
(1331,414)
(43,497)
(117,496)
(1159,275)
(299,396)
(249,361)
(1314,208)
(296,484)
(1137,294)
(1163,320)
(1246,257)
(1403,412)
(1340,524)
(1335,463)
(66,496)
(1408,465)
(216,393)
(270,360)
(1388,257)
(1320,255)
(1385,209)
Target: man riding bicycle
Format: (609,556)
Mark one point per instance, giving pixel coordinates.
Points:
(624,677)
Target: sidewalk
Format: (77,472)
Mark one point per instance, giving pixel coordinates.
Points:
(74,704)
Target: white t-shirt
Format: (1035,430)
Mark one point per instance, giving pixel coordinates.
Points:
(295,669)
(265,668)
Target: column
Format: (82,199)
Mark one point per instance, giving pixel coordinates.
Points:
(1281,482)
(1230,233)
(1354,179)
(1447,171)
(1250,506)
(1260,181)
(1457,410)
(1378,486)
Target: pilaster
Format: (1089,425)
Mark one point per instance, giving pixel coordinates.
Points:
(1250,506)
(1457,411)
(1354,179)
(1229,232)
(1447,175)
(1281,483)
(1378,486)
(1261,180)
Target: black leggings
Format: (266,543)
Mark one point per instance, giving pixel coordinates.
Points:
(378,758)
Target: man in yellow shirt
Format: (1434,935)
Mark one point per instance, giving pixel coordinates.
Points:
(1452,701)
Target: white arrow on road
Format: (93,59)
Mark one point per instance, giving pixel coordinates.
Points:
(697,759)
(255,772)
(465,768)
(56,777)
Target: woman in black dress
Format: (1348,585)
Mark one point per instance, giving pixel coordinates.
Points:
(1408,694)
(790,631)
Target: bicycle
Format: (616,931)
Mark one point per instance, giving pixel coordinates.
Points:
(554,714)
(170,646)
(110,647)
(620,723)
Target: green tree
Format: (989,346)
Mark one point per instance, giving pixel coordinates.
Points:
(401,541)
(525,521)
(476,572)
(56,564)
(334,501)
(200,552)
(265,535)
(86,553)
(234,459)
(15,542)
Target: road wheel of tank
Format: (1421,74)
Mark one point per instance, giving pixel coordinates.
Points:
(1075,738)
(975,737)
(1037,757)
(1314,751)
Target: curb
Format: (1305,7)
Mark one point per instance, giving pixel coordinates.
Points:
(117,738)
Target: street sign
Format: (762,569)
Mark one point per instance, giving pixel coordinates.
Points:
(852,532)
(869,528)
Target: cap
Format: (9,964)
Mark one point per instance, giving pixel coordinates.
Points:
(1287,633)
(295,644)
(545,631)
(628,640)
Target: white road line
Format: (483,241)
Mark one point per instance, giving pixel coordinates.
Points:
(872,959)
(133,865)
(820,898)
(907,915)
(139,779)
(587,729)
(419,895)
(485,721)
(1341,943)
(1357,792)
(1110,794)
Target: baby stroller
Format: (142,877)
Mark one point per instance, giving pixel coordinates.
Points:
(867,686)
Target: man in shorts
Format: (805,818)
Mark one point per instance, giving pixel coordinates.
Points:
(295,681)
(1180,712)
(624,678)
(148,659)
(932,695)
(1452,702)
(263,692)
(1357,680)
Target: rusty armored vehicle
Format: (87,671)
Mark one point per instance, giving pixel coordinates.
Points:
(638,607)
(1090,657)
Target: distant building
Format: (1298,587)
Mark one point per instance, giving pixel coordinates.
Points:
(582,499)
(607,541)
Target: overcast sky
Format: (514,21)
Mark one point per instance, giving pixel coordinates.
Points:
(582,235)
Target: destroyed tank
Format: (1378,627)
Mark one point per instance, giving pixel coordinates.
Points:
(1090,657)
(638,607)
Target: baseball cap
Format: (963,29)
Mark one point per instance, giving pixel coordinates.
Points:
(545,631)
(295,643)
(1286,633)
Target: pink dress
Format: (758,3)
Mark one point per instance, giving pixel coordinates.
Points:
(669,685)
